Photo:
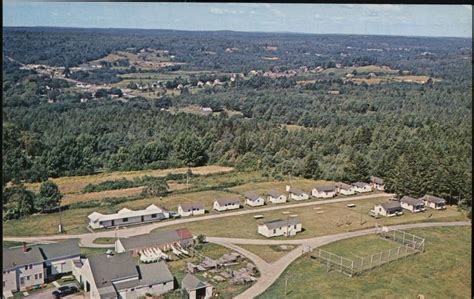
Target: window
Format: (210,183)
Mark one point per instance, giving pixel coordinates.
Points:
(40,276)
(125,220)
(28,277)
(26,267)
(31,266)
(274,231)
(36,276)
(153,215)
(22,280)
(295,226)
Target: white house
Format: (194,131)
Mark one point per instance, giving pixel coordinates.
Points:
(434,202)
(126,216)
(195,288)
(117,276)
(324,191)
(280,227)
(388,209)
(377,183)
(296,194)
(344,189)
(253,199)
(188,209)
(362,187)
(223,204)
(412,204)
(275,196)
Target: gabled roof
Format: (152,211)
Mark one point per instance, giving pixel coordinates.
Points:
(376,180)
(155,239)
(252,195)
(274,193)
(273,224)
(326,188)
(229,200)
(105,269)
(154,273)
(433,199)
(126,213)
(344,186)
(411,201)
(14,257)
(191,282)
(191,206)
(296,191)
(65,248)
(360,184)
(391,205)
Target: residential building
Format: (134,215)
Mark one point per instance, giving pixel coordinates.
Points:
(223,204)
(412,204)
(377,183)
(59,257)
(324,191)
(362,187)
(253,199)
(126,217)
(279,227)
(275,196)
(388,209)
(344,189)
(296,194)
(195,288)
(117,276)
(188,209)
(434,202)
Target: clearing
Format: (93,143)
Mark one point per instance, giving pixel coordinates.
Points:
(269,253)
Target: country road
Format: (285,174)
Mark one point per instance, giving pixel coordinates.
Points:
(86,239)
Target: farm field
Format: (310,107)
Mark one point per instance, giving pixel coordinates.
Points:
(270,253)
(77,183)
(317,221)
(446,261)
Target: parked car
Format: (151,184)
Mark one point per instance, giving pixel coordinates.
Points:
(64,291)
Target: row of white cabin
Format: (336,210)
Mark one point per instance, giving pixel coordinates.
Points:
(414,205)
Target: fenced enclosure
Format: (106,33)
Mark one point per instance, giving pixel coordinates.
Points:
(409,245)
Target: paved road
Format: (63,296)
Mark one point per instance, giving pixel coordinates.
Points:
(269,272)
(86,240)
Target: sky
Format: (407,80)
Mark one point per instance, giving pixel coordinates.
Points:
(386,19)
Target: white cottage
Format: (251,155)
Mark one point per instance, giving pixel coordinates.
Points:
(344,189)
(324,191)
(434,202)
(296,194)
(126,216)
(188,209)
(280,227)
(253,199)
(275,196)
(377,183)
(362,187)
(412,204)
(388,209)
(223,204)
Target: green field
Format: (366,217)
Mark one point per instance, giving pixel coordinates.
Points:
(269,253)
(442,271)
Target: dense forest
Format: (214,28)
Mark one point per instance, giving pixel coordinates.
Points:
(416,136)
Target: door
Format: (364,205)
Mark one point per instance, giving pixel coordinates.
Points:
(143,218)
(113,222)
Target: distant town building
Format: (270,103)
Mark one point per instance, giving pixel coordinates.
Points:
(296,194)
(388,209)
(275,196)
(253,199)
(324,191)
(223,204)
(344,189)
(434,202)
(188,209)
(279,227)
(361,187)
(412,204)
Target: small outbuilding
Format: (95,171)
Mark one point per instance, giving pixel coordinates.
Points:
(362,187)
(223,204)
(195,288)
(188,209)
(324,191)
(253,199)
(296,194)
(275,196)
(377,183)
(279,227)
(344,189)
(388,209)
(434,202)
(412,204)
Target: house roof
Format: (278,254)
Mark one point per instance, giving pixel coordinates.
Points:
(191,282)
(154,273)
(252,195)
(411,201)
(296,191)
(64,248)
(344,186)
(105,269)
(126,213)
(229,200)
(280,223)
(433,199)
(376,180)
(14,257)
(391,205)
(274,193)
(360,184)
(155,239)
(191,206)
(326,188)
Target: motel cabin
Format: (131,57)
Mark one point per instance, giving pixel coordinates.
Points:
(387,209)
(188,209)
(377,183)
(362,187)
(224,204)
(296,194)
(434,202)
(253,199)
(275,196)
(412,204)
(279,227)
(195,288)
(324,191)
(344,189)
(126,217)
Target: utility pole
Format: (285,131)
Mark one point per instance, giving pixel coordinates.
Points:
(286,283)
(61,229)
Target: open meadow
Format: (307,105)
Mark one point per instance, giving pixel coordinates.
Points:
(442,271)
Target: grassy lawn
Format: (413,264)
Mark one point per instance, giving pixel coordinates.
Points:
(442,271)
(270,253)
(335,218)
(89,251)
(73,198)
(104,240)
(262,187)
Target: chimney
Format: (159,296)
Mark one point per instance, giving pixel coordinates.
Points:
(288,188)
(25,249)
